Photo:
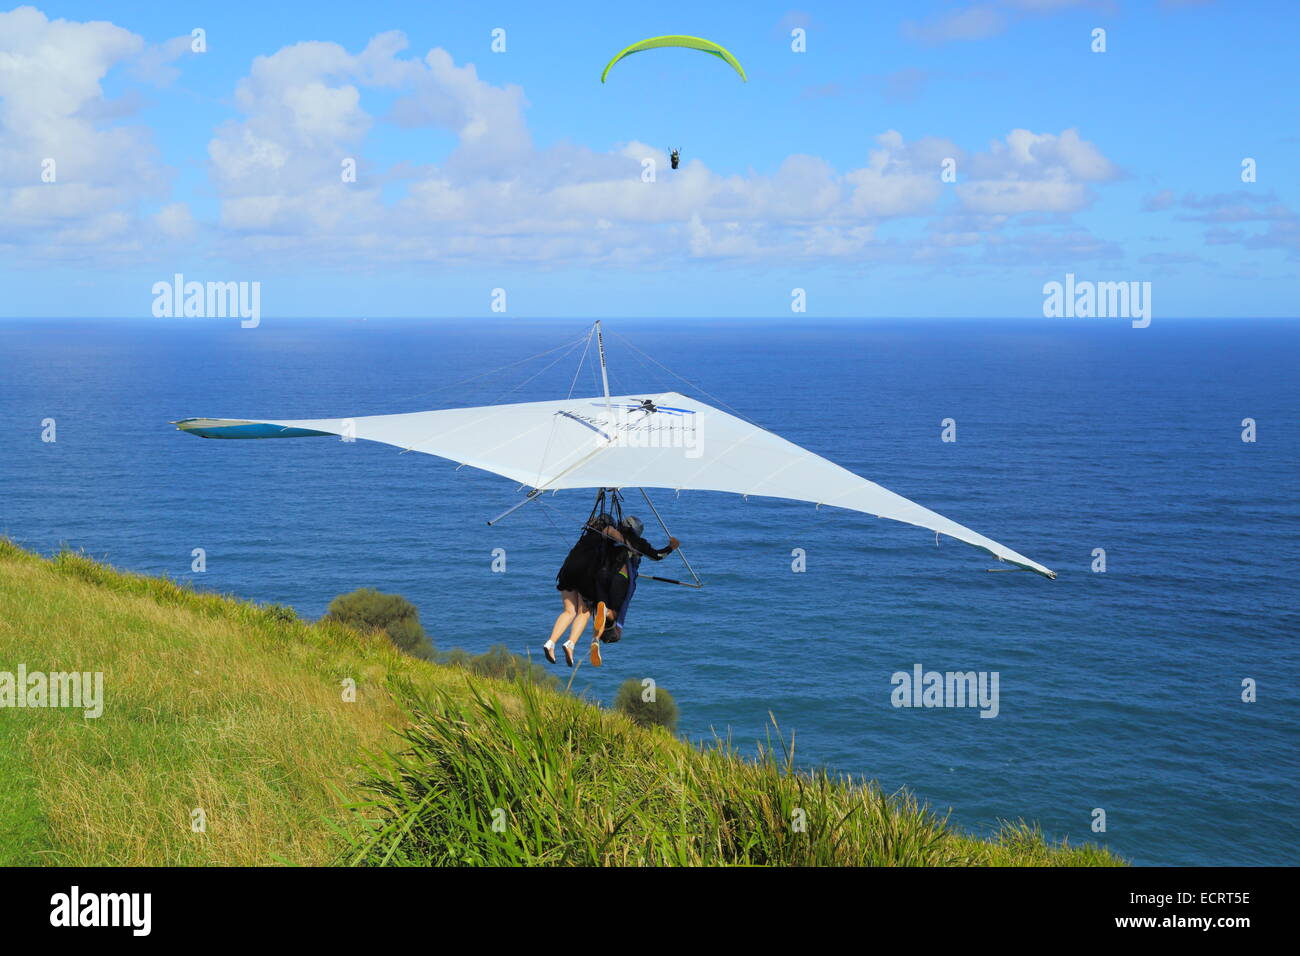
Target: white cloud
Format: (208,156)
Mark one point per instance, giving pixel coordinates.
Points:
(175,221)
(495,198)
(1035,172)
(899,179)
(1218,211)
(51,107)
(982,20)
(1240,206)
(968,23)
(154,63)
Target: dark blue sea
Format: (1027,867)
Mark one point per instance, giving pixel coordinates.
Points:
(1119,690)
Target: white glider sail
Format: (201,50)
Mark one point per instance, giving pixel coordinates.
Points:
(663,440)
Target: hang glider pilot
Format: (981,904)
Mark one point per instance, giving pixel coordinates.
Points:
(617,583)
(599,575)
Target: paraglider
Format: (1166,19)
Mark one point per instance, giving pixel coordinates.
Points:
(685,42)
(689,43)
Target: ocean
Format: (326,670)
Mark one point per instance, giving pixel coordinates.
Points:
(1119,690)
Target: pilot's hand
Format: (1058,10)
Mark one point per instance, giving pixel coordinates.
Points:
(674,543)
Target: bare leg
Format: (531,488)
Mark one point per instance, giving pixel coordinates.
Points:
(579,625)
(571,604)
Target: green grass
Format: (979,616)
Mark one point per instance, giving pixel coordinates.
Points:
(555,781)
(237,709)
(210,704)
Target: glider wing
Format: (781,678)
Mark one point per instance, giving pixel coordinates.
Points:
(674,442)
(690,43)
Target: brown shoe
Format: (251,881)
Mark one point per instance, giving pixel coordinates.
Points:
(595,653)
(599,622)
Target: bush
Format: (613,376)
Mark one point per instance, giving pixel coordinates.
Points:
(369,610)
(456,657)
(660,711)
(498,662)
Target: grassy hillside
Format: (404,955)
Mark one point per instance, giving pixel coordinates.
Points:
(238,710)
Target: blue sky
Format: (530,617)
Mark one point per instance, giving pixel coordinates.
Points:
(519,170)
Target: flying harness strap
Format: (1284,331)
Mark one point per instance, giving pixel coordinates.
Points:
(608,512)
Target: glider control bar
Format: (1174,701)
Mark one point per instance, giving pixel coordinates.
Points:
(686,584)
(655,511)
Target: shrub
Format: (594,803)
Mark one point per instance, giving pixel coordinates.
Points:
(660,710)
(498,662)
(369,610)
(456,657)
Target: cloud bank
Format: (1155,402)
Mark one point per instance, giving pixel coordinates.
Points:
(306,115)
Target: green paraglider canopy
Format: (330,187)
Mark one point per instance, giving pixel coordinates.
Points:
(689,43)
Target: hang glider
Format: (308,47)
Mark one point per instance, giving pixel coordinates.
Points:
(664,440)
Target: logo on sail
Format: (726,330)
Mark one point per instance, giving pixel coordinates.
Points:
(648,407)
(642,425)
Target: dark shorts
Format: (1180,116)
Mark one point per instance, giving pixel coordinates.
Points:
(611,587)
